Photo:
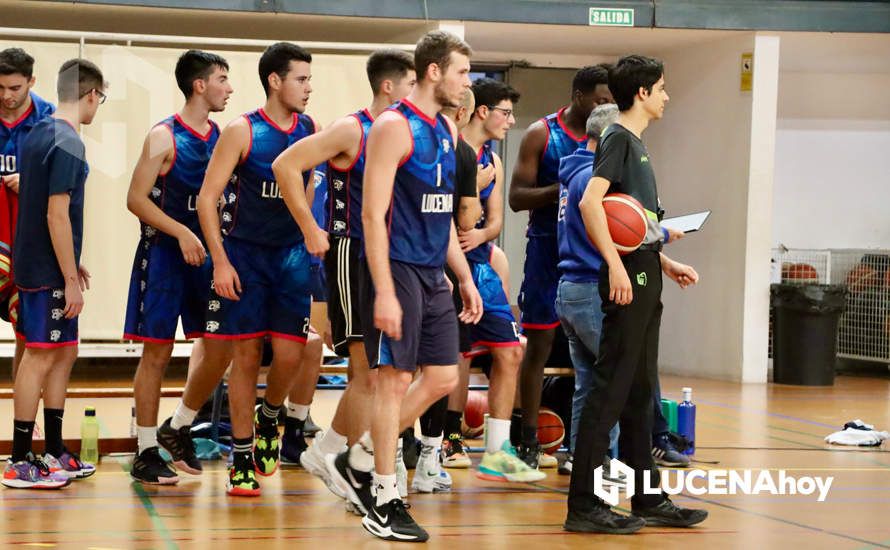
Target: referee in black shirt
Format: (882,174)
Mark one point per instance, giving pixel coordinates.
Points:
(630,287)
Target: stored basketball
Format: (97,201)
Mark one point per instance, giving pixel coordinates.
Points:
(551,431)
(627,221)
(474,414)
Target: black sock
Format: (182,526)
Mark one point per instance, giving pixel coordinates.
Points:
(516,427)
(452,423)
(293,425)
(432,422)
(268,414)
(529,435)
(22,432)
(242,449)
(52,430)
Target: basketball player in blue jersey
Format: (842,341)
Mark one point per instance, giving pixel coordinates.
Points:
(171,272)
(261,269)
(342,147)
(535,187)
(20,110)
(408,197)
(497,330)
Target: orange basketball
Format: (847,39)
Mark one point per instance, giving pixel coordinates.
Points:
(799,273)
(627,221)
(473,424)
(551,431)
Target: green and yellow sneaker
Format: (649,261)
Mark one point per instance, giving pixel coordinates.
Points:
(266,446)
(242,481)
(505,466)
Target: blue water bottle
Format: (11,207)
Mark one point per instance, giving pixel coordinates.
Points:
(686,420)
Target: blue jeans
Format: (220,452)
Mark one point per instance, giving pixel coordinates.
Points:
(580,311)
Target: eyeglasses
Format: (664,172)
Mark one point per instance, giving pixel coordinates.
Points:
(507,112)
(99,93)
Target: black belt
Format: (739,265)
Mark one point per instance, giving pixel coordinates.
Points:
(652,247)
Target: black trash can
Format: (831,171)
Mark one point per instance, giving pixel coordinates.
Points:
(805,332)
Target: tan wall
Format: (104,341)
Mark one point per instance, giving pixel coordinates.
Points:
(142,92)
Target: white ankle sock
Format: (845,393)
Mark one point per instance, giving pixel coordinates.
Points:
(496,432)
(331,442)
(295,410)
(361,455)
(434,442)
(387,488)
(146,437)
(183,416)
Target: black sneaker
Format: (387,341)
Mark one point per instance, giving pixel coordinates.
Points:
(310,428)
(665,454)
(602,520)
(529,454)
(391,521)
(149,467)
(180,446)
(293,443)
(410,448)
(565,469)
(615,478)
(670,515)
(354,483)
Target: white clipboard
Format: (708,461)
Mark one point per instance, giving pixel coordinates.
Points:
(689,223)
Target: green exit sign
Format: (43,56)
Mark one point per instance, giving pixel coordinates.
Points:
(612,17)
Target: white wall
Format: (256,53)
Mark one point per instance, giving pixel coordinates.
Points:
(700,152)
(831,174)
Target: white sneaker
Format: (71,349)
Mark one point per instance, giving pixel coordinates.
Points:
(428,475)
(313,461)
(401,473)
(547,461)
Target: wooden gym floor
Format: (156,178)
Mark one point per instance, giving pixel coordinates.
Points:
(741,426)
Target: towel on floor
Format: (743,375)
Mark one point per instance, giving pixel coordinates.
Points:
(858,437)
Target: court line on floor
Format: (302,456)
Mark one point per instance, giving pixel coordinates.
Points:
(767,413)
(786,521)
(156,519)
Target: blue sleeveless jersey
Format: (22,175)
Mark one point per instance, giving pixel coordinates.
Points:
(13,134)
(482,253)
(254,210)
(345,188)
(176,191)
(560,143)
(423,192)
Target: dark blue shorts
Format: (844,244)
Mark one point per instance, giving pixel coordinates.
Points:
(41,322)
(498,327)
(275,294)
(163,289)
(537,296)
(429,324)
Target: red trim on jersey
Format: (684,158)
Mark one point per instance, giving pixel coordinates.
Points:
(279,128)
(284,336)
(15,123)
(431,121)
(566,128)
(194,132)
(236,336)
(137,338)
(547,142)
(173,162)
(540,326)
(46,345)
(368,114)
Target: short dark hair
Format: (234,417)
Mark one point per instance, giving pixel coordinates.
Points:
(388,63)
(588,78)
(490,92)
(629,75)
(276,59)
(196,65)
(436,47)
(77,77)
(16,61)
